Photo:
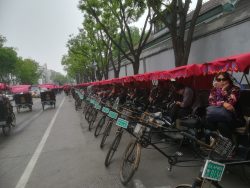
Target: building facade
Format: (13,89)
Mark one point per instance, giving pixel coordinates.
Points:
(222,29)
(45,75)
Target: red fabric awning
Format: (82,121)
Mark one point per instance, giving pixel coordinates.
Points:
(3,86)
(236,63)
(200,74)
(20,89)
(48,86)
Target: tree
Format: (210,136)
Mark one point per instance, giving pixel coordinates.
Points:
(8,60)
(98,50)
(173,13)
(78,61)
(125,12)
(59,78)
(2,41)
(27,71)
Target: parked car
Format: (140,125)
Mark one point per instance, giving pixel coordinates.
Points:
(9,96)
(35,93)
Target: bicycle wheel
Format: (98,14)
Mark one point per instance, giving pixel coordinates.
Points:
(246,172)
(100,125)
(13,119)
(87,113)
(106,133)
(130,161)
(113,148)
(92,121)
(85,108)
(76,105)
(92,112)
(6,129)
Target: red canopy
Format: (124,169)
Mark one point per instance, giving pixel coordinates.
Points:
(20,89)
(203,73)
(3,86)
(236,63)
(48,86)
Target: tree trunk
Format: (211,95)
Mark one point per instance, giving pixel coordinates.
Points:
(136,65)
(106,72)
(116,73)
(179,54)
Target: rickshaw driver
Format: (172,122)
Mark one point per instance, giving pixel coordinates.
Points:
(223,98)
(182,107)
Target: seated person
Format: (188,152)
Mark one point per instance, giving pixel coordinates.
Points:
(222,100)
(182,107)
(113,92)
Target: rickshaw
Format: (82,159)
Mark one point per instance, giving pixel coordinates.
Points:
(23,100)
(48,98)
(22,97)
(200,77)
(7,116)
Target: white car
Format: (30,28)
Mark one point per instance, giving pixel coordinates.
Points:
(9,96)
(35,93)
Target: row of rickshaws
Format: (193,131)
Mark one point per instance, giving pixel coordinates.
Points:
(22,101)
(187,135)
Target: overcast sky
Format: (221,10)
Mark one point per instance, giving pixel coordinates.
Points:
(39,29)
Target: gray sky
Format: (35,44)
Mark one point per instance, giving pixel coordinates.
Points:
(39,29)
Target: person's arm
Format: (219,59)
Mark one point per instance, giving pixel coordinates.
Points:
(187,98)
(212,99)
(232,99)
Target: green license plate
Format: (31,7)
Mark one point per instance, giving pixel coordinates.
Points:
(122,123)
(113,115)
(105,110)
(213,170)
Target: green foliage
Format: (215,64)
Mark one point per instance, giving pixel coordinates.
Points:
(8,60)
(2,41)
(59,78)
(27,71)
(114,19)
(174,13)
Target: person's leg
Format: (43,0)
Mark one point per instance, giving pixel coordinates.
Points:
(209,125)
(174,112)
(183,112)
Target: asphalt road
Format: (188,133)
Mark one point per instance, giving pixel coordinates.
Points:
(54,149)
